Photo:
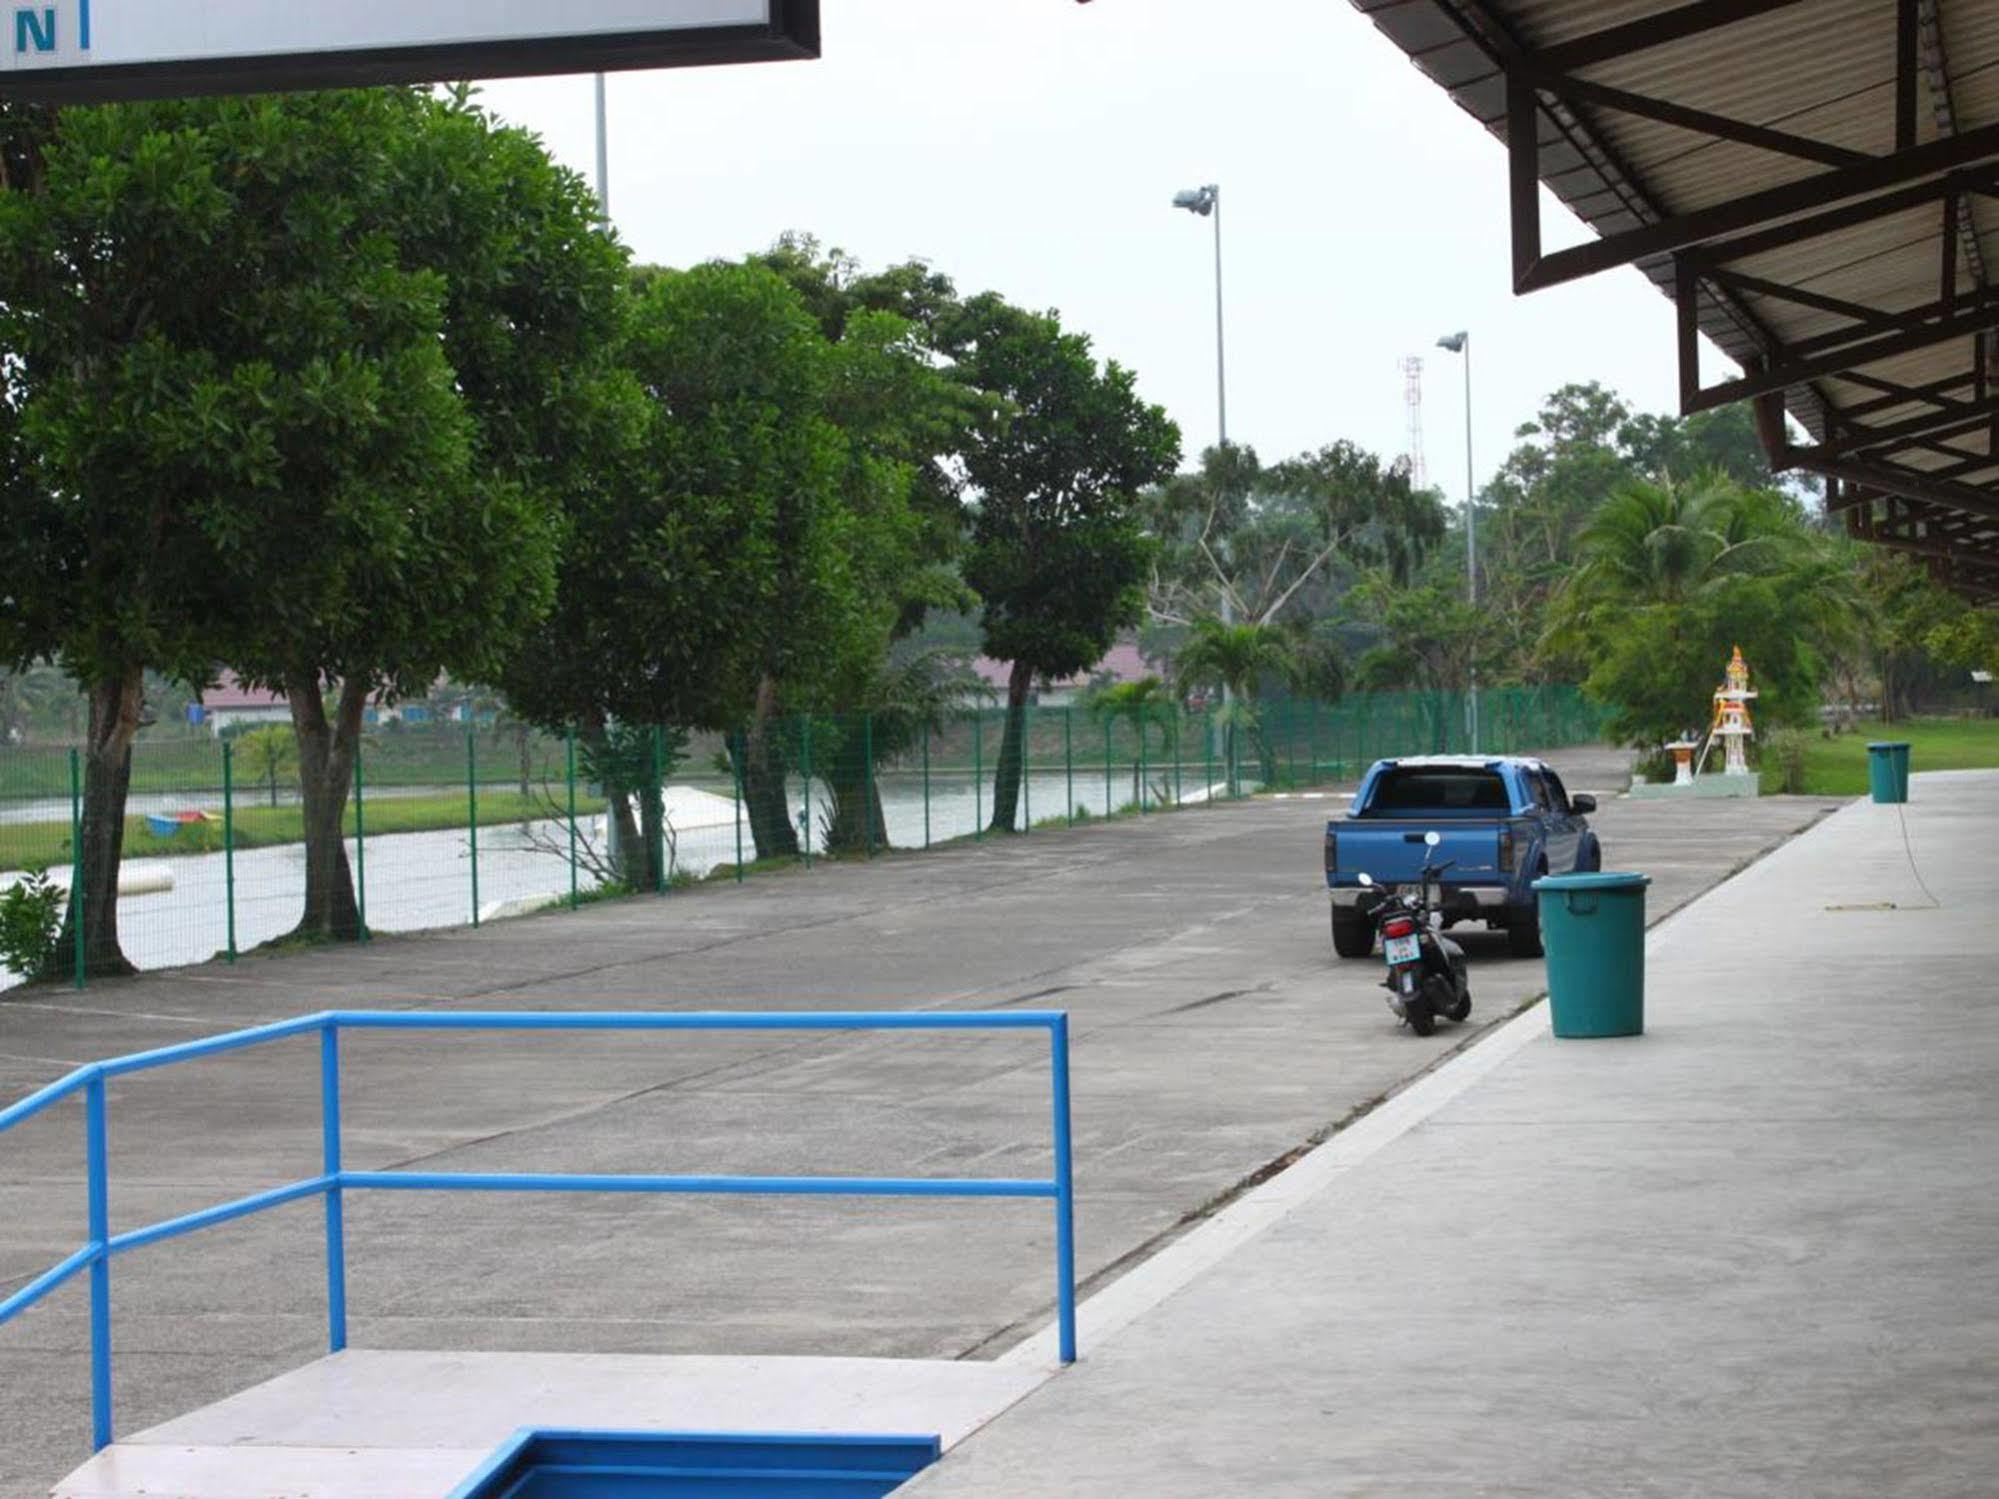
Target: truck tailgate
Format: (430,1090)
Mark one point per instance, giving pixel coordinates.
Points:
(1392,852)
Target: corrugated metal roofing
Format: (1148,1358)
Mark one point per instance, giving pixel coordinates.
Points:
(1826,71)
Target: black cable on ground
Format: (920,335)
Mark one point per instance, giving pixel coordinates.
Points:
(1902,815)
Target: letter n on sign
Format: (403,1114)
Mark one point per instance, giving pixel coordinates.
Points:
(35,30)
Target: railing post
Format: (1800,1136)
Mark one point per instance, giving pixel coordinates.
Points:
(229,841)
(76,907)
(569,756)
(96,1136)
(1065,1190)
(978,776)
(472,810)
(926,785)
(336,1221)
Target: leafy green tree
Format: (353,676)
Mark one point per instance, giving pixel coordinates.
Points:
(1277,543)
(1057,551)
(702,558)
(267,753)
(204,313)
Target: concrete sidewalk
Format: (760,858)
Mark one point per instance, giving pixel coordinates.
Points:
(1748,1254)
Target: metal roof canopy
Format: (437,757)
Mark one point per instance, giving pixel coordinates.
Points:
(1813,184)
(89,51)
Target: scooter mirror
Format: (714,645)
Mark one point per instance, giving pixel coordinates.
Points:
(1366,879)
(1433,839)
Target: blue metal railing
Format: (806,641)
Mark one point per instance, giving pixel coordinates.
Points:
(334,1180)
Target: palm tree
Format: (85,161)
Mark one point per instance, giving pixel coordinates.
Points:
(1237,658)
(1669,572)
(1138,703)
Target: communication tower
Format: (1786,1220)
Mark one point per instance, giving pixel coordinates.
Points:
(1412,393)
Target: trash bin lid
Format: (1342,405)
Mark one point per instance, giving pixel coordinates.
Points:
(1603,881)
(1889,744)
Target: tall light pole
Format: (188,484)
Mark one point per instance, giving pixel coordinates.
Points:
(603,150)
(1207,202)
(1460,343)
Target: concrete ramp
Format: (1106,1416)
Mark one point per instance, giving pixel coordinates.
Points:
(385,1425)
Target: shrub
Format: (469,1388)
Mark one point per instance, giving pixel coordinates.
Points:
(31,925)
(1786,750)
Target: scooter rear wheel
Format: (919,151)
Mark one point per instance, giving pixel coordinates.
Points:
(1422,1019)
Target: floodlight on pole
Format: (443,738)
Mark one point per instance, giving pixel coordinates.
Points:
(1460,343)
(1207,202)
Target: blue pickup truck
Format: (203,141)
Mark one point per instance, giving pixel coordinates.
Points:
(1504,822)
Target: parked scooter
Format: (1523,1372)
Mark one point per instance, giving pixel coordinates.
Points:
(1426,970)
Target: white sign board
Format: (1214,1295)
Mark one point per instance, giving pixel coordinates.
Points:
(74,50)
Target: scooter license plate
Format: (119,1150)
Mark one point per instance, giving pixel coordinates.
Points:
(1400,950)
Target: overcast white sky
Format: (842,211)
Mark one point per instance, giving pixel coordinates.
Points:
(1033,147)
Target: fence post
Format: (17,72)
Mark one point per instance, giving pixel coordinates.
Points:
(1027,768)
(361,844)
(656,846)
(1110,796)
(1291,739)
(1312,736)
(1179,786)
(1069,762)
(868,778)
(569,756)
(76,912)
(472,810)
(336,1221)
(978,776)
(1208,756)
(229,841)
(1144,770)
(96,1135)
(926,786)
(736,752)
(804,742)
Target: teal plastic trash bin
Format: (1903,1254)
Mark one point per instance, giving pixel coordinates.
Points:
(1593,928)
(1888,772)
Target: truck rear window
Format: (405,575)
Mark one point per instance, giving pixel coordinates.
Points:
(1439,789)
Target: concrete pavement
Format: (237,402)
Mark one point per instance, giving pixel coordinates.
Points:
(1216,1035)
(1750,1253)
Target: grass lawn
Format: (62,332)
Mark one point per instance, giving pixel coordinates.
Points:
(1838,767)
(30,844)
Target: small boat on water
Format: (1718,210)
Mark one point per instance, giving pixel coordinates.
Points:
(169,824)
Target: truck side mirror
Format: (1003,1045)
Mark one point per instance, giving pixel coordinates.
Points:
(1582,804)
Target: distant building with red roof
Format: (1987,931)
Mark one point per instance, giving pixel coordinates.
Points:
(1122,663)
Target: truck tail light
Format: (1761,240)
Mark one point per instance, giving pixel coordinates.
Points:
(1506,852)
(1332,850)
(1401,926)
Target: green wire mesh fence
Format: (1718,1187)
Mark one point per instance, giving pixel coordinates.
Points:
(455,824)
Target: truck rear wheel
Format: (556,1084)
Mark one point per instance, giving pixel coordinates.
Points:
(1353,932)
(1523,932)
